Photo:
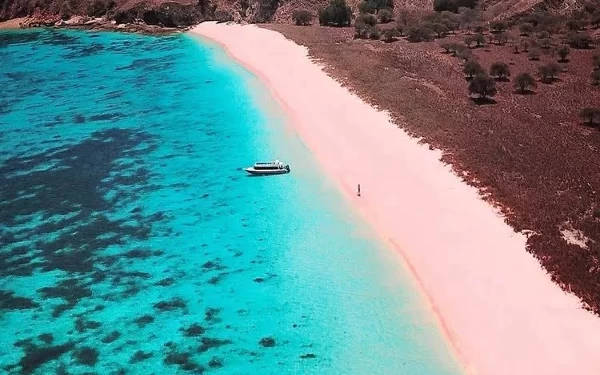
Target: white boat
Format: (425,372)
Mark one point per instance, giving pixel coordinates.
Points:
(268,168)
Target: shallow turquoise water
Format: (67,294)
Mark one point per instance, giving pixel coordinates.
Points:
(132,242)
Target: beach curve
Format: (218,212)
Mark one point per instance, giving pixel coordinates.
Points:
(497,306)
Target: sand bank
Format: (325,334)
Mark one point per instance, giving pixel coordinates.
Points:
(496,304)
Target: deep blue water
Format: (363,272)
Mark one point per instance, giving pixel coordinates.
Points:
(131,242)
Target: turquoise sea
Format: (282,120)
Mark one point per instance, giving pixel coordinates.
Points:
(131,242)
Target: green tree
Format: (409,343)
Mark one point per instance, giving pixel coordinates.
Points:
(439,29)
(563,52)
(419,34)
(545,43)
(385,15)
(469,39)
(543,35)
(483,86)
(479,39)
(446,46)
(389,35)
(534,54)
(367,19)
(574,25)
(596,62)
(302,17)
(500,71)
(365,8)
(337,13)
(374,33)
(579,40)
(524,82)
(501,38)
(548,73)
(590,115)
(595,20)
(498,26)
(596,77)
(526,28)
(472,68)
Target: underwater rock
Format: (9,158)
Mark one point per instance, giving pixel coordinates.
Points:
(215,362)
(142,321)
(193,330)
(267,342)
(86,356)
(210,343)
(114,335)
(140,356)
(8,301)
(175,303)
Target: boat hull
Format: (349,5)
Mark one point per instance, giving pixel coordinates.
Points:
(258,172)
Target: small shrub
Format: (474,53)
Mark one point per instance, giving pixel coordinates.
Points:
(472,68)
(574,25)
(453,5)
(548,73)
(545,43)
(302,17)
(361,30)
(456,48)
(438,28)
(469,39)
(446,46)
(500,38)
(525,45)
(500,71)
(385,15)
(465,54)
(579,40)
(526,28)
(479,39)
(367,19)
(590,115)
(596,77)
(524,82)
(374,33)
(365,8)
(516,49)
(534,54)
(65,11)
(498,26)
(595,21)
(389,35)
(419,34)
(97,8)
(337,13)
(596,62)
(483,86)
(563,52)
(543,35)
(590,7)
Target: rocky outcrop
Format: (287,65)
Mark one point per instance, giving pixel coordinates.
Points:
(148,13)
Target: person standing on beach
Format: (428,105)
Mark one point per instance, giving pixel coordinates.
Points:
(359,190)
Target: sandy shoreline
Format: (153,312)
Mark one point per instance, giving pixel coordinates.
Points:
(499,309)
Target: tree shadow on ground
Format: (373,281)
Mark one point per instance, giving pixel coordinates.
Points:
(483,101)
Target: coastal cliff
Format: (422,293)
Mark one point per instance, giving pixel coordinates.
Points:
(148,14)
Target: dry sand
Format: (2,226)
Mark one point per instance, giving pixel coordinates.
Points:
(497,306)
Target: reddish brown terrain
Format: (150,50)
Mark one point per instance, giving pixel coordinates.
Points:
(529,154)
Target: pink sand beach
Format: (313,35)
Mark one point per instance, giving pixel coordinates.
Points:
(495,304)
